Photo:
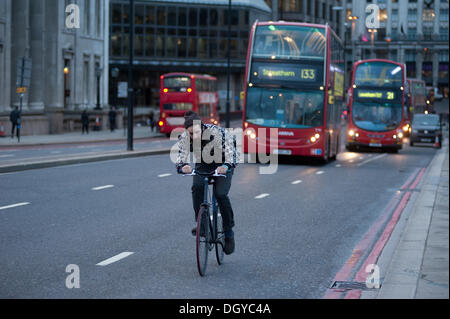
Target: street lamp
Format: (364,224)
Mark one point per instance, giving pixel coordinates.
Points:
(98,73)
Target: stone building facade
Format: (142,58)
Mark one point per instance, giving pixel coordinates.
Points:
(67,63)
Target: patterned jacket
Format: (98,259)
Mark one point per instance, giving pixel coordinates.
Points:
(222,142)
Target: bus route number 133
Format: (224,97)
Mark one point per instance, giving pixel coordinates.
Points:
(308,74)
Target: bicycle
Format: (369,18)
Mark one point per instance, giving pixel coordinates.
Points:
(209,231)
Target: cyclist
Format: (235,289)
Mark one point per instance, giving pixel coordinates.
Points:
(223,143)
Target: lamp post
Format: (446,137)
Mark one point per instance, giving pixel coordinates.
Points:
(98,73)
(227,116)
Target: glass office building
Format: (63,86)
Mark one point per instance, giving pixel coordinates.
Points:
(181,36)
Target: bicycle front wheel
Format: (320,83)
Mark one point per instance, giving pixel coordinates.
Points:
(220,237)
(202,240)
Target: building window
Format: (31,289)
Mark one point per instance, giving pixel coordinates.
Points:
(149,42)
(139,14)
(171,47)
(139,41)
(192,17)
(213,17)
(192,47)
(116,41)
(172,16)
(203,17)
(443,15)
(182,17)
(443,34)
(161,14)
(116,13)
(149,15)
(412,33)
(181,52)
(86,81)
(412,14)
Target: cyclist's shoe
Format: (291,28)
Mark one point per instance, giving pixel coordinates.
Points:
(229,244)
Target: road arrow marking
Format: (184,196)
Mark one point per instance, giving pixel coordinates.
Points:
(296,182)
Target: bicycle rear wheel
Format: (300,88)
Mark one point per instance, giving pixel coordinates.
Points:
(202,240)
(220,237)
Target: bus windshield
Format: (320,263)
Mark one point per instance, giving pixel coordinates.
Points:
(375,116)
(378,74)
(177,83)
(284,108)
(287,41)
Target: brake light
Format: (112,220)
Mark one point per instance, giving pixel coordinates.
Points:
(166,90)
(160,123)
(189,90)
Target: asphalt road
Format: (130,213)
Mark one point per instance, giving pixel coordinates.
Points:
(289,244)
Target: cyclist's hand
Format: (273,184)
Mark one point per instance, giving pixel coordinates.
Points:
(222,170)
(186,169)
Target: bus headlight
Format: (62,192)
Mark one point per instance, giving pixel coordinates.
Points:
(400,135)
(252,136)
(351,133)
(406,128)
(313,139)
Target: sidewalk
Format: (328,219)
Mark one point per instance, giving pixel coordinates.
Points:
(77,137)
(416,265)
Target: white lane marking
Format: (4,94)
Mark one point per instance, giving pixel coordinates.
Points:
(372,159)
(7,155)
(164,175)
(102,187)
(14,205)
(320,172)
(261,196)
(115,258)
(338,165)
(296,182)
(55,152)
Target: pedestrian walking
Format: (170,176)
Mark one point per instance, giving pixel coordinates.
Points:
(112,118)
(151,117)
(84,122)
(14,117)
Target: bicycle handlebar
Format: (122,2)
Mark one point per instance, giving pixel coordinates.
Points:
(194,173)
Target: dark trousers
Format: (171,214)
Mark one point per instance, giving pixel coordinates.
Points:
(85,127)
(13,127)
(221,188)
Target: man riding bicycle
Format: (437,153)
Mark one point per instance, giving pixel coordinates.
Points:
(197,138)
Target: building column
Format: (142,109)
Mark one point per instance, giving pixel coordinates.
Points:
(435,68)
(419,64)
(304,11)
(419,32)
(314,19)
(20,47)
(36,95)
(401,55)
(274,10)
(437,4)
(389,19)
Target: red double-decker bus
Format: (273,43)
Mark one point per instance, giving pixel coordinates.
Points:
(378,111)
(294,84)
(181,92)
